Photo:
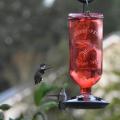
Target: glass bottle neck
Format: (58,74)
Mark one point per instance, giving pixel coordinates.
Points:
(84,91)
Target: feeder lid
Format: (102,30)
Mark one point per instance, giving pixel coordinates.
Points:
(85,15)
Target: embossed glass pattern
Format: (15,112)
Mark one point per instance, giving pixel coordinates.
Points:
(85,43)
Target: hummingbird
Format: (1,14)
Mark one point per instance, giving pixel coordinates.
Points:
(40,72)
(61,97)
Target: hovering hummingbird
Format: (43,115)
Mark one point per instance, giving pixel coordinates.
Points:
(38,75)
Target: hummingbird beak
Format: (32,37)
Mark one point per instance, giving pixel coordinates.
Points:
(49,67)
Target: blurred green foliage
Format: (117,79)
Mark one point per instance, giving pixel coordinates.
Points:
(41,92)
(39,98)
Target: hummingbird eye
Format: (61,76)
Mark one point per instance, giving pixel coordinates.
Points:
(42,66)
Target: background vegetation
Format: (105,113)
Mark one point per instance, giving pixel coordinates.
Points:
(32,32)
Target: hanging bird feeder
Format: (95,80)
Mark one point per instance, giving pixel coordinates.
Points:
(86,56)
(85,45)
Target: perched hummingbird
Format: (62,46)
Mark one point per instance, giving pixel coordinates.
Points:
(38,75)
(61,96)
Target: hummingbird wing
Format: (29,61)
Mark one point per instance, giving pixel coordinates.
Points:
(37,78)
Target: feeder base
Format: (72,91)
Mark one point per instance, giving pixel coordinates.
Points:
(80,103)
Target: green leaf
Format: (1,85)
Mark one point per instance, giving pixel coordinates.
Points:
(41,91)
(5,107)
(49,105)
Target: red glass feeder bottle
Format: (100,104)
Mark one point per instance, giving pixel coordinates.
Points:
(85,32)
(85,44)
